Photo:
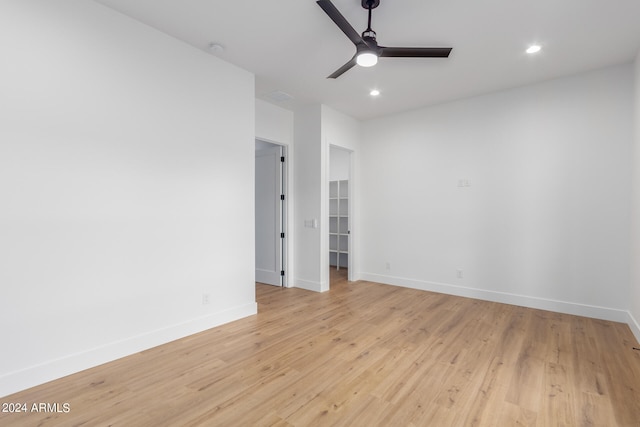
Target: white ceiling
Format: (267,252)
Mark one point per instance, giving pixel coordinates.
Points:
(292,45)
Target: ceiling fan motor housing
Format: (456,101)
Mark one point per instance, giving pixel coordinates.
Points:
(370,44)
(369,34)
(370,3)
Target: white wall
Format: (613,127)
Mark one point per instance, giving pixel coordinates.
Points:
(345,133)
(339,164)
(316,128)
(544,221)
(340,130)
(126,175)
(308,195)
(273,123)
(634,291)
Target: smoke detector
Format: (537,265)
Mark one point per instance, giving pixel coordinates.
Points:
(215,48)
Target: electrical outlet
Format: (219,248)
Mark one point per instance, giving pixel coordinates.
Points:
(459,273)
(205,299)
(387,265)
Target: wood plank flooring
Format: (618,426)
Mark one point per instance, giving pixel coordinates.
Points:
(364,354)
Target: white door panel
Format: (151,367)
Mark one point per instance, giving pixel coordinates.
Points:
(268,215)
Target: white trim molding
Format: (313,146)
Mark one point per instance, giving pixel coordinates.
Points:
(310,285)
(14,382)
(577,309)
(634,325)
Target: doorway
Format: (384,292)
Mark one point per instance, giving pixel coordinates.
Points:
(270,214)
(340,215)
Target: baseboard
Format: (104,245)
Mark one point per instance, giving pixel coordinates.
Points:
(596,312)
(311,285)
(634,325)
(14,382)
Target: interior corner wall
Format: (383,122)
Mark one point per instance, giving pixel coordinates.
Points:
(634,294)
(126,174)
(316,127)
(308,195)
(520,196)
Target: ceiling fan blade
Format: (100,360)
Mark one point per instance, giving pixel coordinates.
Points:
(340,21)
(415,52)
(346,67)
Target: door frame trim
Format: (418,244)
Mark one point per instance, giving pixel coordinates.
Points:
(287,244)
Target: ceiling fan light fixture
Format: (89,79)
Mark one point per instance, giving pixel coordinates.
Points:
(367,59)
(534,49)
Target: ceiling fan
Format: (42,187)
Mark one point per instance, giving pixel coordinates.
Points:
(367,49)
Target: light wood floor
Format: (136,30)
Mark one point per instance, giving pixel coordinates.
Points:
(365,354)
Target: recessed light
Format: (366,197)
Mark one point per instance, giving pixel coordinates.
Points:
(374,92)
(534,48)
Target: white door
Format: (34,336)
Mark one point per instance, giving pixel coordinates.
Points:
(269,243)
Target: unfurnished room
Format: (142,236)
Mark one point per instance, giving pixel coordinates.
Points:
(319,212)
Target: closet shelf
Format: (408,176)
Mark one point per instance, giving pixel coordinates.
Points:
(339,223)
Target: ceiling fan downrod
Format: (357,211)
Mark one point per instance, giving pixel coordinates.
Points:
(369,5)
